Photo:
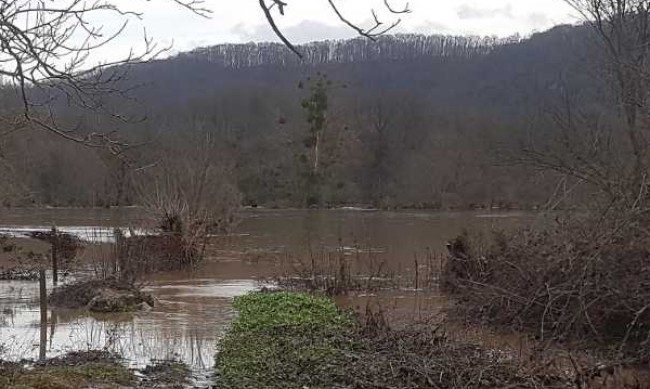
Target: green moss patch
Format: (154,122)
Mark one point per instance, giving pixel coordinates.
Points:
(285,340)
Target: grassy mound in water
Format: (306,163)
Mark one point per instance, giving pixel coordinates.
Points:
(73,371)
(284,340)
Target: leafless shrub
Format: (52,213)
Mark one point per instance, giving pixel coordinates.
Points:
(140,255)
(421,356)
(66,245)
(344,270)
(583,281)
(190,194)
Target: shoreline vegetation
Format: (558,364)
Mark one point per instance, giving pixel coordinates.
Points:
(579,283)
(296,340)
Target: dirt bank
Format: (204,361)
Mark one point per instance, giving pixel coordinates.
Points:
(92,369)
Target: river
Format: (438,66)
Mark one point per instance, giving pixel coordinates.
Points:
(193,308)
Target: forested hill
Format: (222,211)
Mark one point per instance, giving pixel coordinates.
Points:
(449,70)
(412,120)
(402,61)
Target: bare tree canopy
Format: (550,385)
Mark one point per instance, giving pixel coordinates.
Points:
(624,28)
(610,152)
(45,55)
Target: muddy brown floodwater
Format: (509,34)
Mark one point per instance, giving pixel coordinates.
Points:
(194,308)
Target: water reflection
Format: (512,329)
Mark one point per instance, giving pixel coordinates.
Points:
(188,320)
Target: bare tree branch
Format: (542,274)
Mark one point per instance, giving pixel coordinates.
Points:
(378,28)
(46,51)
(405,10)
(196,6)
(372,32)
(271,20)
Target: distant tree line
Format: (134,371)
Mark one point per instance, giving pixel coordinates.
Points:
(402,47)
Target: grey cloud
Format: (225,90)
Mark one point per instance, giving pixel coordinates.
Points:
(431,27)
(303,32)
(538,19)
(472,12)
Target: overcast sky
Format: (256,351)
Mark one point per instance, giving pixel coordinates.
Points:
(239,21)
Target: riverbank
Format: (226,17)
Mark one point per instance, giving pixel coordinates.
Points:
(294,340)
(91,369)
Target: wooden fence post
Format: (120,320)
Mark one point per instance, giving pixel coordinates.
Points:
(43,302)
(55,255)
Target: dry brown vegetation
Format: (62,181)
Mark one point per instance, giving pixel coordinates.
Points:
(583,283)
(140,255)
(337,272)
(344,270)
(423,357)
(67,246)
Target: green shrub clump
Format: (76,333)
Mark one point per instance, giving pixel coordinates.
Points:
(285,340)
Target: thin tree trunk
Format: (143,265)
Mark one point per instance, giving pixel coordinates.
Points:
(317,154)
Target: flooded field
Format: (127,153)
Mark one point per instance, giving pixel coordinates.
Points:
(193,309)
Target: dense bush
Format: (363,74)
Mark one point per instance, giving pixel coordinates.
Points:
(586,281)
